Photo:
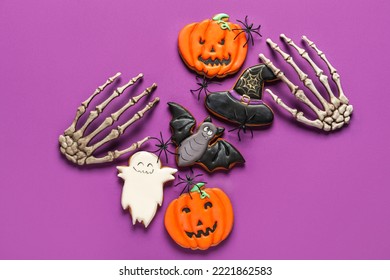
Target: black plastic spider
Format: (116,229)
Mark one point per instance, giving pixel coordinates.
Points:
(243,124)
(163,147)
(248,29)
(203,84)
(189,182)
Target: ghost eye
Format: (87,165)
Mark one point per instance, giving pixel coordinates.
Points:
(201,41)
(150,165)
(186,210)
(208,205)
(222,42)
(140,163)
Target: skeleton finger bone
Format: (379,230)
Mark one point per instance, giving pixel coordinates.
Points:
(302,76)
(298,115)
(74,144)
(299,94)
(319,72)
(333,71)
(334,114)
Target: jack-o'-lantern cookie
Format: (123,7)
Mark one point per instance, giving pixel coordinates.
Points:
(200,219)
(213,47)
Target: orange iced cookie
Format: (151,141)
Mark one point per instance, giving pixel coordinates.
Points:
(200,219)
(214,47)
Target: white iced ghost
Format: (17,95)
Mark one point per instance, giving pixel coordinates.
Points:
(143,188)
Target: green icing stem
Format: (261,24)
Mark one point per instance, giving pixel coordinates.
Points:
(219,18)
(202,193)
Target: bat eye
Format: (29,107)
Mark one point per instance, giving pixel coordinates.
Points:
(149,164)
(208,205)
(186,210)
(140,163)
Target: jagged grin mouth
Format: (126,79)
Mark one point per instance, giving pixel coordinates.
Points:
(201,233)
(215,62)
(143,171)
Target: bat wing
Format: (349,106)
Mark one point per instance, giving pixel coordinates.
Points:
(220,155)
(182,123)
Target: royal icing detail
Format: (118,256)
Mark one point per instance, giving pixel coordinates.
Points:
(214,47)
(203,146)
(200,219)
(143,185)
(243,104)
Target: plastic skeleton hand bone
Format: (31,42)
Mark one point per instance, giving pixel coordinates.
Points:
(335,113)
(74,144)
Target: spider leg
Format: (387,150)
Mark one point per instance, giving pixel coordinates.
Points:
(242,30)
(159,154)
(195,90)
(166,155)
(244,24)
(84,105)
(251,130)
(238,133)
(255,31)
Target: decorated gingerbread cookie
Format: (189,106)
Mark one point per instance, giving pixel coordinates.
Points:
(243,104)
(143,189)
(214,47)
(200,219)
(203,146)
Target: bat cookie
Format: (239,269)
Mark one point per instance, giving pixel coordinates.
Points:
(203,146)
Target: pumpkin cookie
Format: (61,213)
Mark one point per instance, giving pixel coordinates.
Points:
(214,47)
(200,219)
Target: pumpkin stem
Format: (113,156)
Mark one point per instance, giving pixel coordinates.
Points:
(222,20)
(197,188)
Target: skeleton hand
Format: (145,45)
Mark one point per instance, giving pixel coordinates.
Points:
(335,113)
(74,144)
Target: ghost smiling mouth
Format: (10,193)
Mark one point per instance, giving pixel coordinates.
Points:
(143,171)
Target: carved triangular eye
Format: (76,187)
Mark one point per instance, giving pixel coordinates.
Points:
(186,210)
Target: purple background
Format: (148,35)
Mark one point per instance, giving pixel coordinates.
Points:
(302,194)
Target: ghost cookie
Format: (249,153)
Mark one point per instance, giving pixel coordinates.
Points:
(143,185)
(200,219)
(213,47)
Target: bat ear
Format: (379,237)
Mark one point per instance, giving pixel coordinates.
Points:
(208,119)
(220,130)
